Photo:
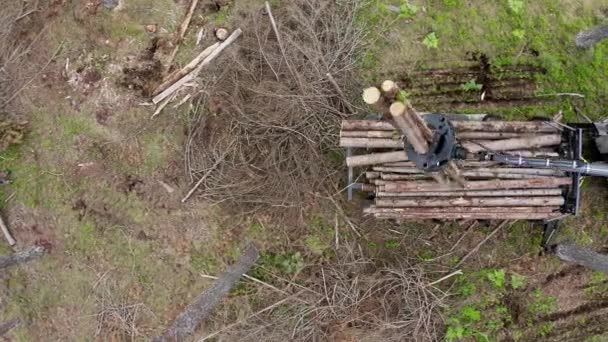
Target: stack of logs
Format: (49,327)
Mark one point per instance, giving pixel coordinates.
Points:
(466,189)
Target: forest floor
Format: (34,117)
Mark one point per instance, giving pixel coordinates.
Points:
(101,182)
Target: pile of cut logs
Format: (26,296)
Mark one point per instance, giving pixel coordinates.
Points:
(465,189)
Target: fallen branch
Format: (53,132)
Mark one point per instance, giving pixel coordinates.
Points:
(182,30)
(21,257)
(343,97)
(9,325)
(588,38)
(532,183)
(175,76)
(202,179)
(7,234)
(471,202)
(194,73)
(476,248)
(514,144)
(196,312)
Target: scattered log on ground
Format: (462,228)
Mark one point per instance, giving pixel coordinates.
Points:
(182,30)
(9,325)
(535,127)
(186,323)
(533,183)
(473,135)
(470,202)
(582,256)
(194,73)
(175,76)
(475,193)
(376,158)
(21,257)
(514,144)
(588,38)
(7,234)
(504,126)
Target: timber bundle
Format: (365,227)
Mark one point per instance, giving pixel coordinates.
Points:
(463,189)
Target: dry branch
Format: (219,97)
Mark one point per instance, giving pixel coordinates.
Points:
(476,248)
(7,234)
(370,143)
(178,74)
(196,312)
(9,325)
(471,202)
(343,97)
(194,73)
(182,30)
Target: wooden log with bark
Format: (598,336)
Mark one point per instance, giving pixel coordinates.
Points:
(194,73)
(488,215)
(535,127)
(547,201)
(475,193)
(21,257)
(531,142)
(376,158)
(196,312)
(432,210)
(533,183)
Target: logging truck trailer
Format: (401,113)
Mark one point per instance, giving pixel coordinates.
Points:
(450,166)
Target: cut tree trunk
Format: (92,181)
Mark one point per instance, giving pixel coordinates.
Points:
(370,143)
(514,144)
(533,183)
(376,158)
(588,38)
(185,324)
(9,325)
(471,202)
(175,76)
(21,257)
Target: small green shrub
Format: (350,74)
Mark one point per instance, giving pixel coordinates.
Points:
(431,41)
(471,85)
